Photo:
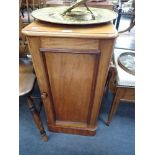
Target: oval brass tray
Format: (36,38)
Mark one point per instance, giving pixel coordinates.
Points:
(78,16)
(127,62)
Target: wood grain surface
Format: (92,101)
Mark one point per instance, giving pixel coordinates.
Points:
(71,72)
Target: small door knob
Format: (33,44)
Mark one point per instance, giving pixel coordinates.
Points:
(44,95)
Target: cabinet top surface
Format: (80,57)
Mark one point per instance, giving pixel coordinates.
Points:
(38,28)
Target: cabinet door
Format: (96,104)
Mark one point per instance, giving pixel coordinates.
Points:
(71,76)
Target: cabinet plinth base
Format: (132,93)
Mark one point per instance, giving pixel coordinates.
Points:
(73,130)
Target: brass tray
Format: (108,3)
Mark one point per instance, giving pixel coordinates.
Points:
(127,62)
(78,16)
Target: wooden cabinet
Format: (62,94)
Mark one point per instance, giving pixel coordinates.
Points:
(71,65)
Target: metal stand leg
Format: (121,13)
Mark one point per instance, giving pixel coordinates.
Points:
(118,19)
(36,118)
(89,11)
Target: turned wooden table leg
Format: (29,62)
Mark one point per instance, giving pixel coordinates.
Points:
(36,118)
(114,105)
(110,84)
(107,83)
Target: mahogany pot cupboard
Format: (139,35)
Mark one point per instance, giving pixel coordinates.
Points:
(71,64)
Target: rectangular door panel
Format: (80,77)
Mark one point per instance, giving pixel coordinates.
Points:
(72,78)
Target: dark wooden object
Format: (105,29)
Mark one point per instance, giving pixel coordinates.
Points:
(120,92)
(71,65)
(26,83)
(28,6)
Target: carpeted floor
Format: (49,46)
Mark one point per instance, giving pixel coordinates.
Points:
(117,139)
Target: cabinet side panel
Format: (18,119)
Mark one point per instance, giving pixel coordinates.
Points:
(106,48)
